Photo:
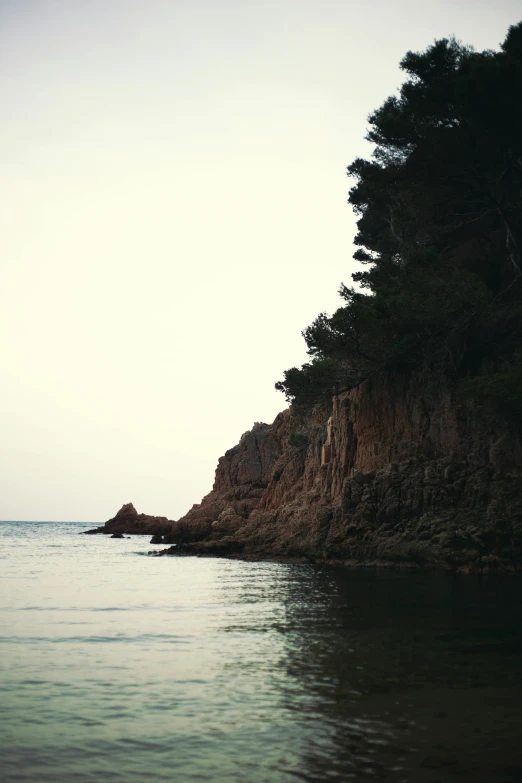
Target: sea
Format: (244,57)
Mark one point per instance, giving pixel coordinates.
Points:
(119,666)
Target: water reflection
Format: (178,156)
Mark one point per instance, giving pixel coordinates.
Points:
(397,676)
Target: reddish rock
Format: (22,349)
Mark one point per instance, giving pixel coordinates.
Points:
(127,520)
(411,475)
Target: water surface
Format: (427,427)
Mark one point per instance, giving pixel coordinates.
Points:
(116,666)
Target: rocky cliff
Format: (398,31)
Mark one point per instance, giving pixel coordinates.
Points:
(398,471)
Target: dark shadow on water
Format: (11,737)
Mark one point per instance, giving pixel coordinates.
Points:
(397,676)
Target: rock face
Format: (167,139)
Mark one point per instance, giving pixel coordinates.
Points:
(400,471)
(242,477)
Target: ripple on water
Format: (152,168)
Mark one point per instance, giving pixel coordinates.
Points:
(215,670)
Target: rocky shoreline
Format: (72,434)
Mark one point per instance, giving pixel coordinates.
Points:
(397,473)
(488,565)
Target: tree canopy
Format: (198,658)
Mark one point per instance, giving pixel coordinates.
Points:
(439,208)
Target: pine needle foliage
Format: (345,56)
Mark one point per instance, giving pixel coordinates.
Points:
(439,208)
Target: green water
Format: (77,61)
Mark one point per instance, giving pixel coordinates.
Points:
(115,666)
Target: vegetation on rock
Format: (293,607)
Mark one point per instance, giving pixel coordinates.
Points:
(439,234)
(298,440)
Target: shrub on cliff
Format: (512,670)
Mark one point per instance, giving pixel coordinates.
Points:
(312,381)
(503,390)
(439,229)
(298,440)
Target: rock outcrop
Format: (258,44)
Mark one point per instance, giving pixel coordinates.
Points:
(400,471)
(127,520)
(242,477)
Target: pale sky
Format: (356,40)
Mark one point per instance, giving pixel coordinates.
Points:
(174,214)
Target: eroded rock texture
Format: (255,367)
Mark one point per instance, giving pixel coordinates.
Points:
(398,471)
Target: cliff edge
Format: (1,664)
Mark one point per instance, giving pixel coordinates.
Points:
(400,471)
(418,464)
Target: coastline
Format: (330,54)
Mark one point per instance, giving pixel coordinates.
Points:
(232,550)
(398,473)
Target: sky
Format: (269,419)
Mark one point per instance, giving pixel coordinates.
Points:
(173,188)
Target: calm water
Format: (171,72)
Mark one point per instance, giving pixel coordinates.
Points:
(115,666)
